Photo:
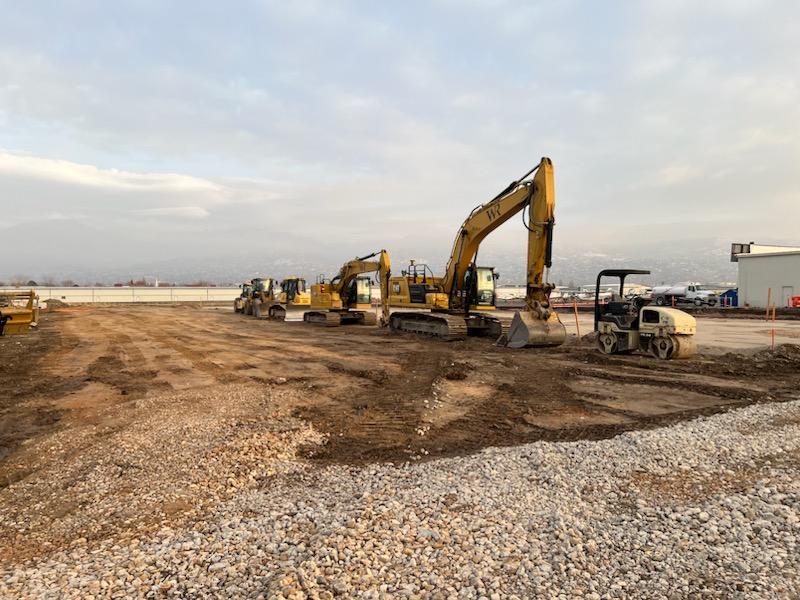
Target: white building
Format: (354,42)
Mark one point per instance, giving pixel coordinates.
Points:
(767,274)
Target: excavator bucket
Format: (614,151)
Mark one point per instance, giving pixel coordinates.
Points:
(528,330)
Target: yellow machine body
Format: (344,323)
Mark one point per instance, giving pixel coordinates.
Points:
(19,311)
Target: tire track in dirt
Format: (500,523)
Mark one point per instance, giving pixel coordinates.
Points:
(376,395)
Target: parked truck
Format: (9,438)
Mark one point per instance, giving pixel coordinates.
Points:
(699,295)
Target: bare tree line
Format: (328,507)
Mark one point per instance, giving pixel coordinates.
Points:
(49,281)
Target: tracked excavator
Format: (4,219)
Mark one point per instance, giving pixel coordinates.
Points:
(346,299)
(461,302)
(267,298)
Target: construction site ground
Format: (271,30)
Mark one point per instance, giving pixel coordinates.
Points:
(375,396)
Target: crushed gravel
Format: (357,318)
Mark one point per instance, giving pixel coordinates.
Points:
(219,501)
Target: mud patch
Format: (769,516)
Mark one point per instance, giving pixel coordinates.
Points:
(644,399)
(575,419)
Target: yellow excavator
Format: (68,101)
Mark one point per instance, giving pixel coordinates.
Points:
(346,299)
(461,302)
(19,311)
(267,298)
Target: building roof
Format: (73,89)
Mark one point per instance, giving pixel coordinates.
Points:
(753,250)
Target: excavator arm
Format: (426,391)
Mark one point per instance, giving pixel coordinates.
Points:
(538,325)
(536,193)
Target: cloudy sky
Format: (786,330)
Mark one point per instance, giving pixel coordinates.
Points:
(154,129)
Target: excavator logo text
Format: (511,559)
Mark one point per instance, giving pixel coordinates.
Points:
(493,212)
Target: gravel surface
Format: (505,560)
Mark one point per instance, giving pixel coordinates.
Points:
(706,508)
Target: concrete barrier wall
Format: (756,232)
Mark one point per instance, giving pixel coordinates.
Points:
(89,295)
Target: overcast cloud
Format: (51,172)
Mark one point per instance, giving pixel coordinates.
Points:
(341,127)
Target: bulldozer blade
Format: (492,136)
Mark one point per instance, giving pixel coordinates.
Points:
(527,330)
(293,312)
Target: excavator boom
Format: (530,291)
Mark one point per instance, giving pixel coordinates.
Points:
(538,324)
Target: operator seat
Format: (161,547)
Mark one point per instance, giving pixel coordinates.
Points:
(620,312)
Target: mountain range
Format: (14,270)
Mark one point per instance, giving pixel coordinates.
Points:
(58,251)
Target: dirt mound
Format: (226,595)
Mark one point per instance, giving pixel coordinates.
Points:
(782,353)
(783,358)
(55,303)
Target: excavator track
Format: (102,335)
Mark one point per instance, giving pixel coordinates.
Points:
(445,327)
(319,317)
(276,311)
(337,318)
(503,322)
(486,324)
(369,318)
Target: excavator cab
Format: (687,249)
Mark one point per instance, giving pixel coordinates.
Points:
(478,289)
(485,279)
(358,294)
(363,291)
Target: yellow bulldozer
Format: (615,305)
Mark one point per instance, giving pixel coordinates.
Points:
(19,311)
(268,299)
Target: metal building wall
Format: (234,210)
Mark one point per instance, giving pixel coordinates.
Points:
(81,295)
(768,278)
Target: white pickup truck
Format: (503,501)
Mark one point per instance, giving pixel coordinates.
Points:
(699,295)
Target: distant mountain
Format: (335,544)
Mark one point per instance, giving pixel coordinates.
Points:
(59,248)
(708,265)
(69,250)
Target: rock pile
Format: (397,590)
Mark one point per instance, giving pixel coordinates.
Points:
(704,509)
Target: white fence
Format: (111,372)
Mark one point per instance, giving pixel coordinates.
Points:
(88,295)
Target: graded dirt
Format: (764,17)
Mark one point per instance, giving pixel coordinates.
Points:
(376,395)
(89,379)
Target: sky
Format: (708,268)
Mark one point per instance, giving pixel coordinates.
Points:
(134,131)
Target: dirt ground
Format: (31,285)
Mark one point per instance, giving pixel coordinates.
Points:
(379,396)
(93,398)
